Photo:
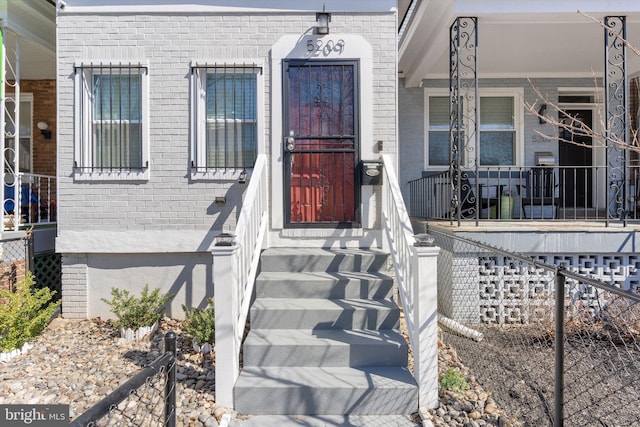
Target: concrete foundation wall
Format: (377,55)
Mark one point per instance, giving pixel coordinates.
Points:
(187,276)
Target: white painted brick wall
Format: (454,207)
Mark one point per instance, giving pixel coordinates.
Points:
(74,287)
(169,43)
(169,200)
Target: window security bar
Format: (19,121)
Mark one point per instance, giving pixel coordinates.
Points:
(225,124)
(111,122)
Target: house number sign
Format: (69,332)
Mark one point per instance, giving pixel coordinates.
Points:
(325,47)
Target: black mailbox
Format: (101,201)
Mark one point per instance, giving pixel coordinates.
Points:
(371,172)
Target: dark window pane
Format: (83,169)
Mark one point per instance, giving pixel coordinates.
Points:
(438,148)
(497,148)
(321,100)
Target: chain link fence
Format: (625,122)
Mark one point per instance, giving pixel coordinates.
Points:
(147,399)
(555,346)
(16,259)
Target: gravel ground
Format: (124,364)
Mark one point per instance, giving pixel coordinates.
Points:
(474,407)
(601,383)
(79,362)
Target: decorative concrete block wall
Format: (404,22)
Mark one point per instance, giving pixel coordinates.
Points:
(494,289)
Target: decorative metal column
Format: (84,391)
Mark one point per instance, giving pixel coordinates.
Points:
(11,127)
(617,119)
(463,114)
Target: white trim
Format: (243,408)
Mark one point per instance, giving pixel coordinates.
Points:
(518,97)
(598,151)
(226,6)
(24,97)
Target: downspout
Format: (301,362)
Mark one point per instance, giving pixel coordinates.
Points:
(459,328)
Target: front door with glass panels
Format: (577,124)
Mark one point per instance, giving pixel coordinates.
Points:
(321,149)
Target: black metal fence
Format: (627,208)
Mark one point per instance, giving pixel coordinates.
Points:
(532,193)
(557,347)
(147,399)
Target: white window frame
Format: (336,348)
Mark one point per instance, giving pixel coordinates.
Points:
(198,118)
(517,93)
(83,120)
(24,97)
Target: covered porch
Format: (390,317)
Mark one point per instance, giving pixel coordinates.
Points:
(519,113)
(28,102)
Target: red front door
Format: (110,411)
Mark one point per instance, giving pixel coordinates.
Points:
(321,143)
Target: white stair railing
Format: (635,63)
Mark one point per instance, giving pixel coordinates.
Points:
(415,265)
(235,267)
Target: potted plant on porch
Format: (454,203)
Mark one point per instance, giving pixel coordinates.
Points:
(137,316)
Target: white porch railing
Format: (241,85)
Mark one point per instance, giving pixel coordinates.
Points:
(416,276)
(234,272)
(33,203)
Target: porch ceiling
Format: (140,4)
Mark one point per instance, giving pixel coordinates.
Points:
(32,25)
(523,39)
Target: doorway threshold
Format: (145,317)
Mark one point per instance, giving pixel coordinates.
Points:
(322,232)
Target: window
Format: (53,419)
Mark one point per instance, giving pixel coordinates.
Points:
(111,121)
(25,137)
(439,131)
(225,118)
(498,129)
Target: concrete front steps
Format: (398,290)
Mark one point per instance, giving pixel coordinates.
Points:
(324,338)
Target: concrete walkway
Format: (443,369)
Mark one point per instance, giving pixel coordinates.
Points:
(322,421)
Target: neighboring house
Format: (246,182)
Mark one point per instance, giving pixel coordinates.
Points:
(28,140)
(475,158)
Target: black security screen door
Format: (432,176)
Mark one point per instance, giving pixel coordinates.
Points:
(321,143)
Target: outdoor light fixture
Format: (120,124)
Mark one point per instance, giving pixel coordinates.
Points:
(242,178)
(44,129)
(424,240)
(323,18)
(224,239)
(541,112)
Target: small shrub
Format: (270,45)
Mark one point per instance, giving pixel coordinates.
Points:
(200,324)
(24,313)
(133,312)
(452,380)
